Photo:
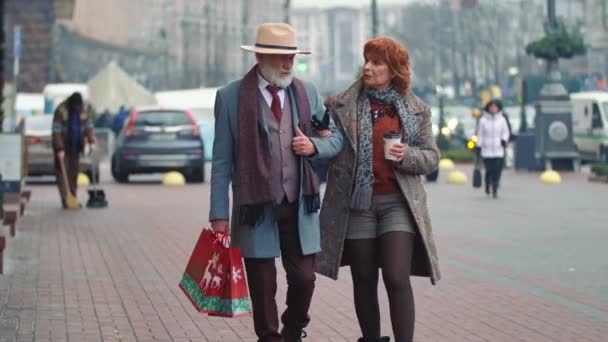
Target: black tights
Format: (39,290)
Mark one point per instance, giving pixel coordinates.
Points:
(393,251)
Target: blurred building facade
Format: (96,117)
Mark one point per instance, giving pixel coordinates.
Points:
(196,41)
(596,35)
(164,44)
(36,18)
(335,37)
(170,44)
(212,32)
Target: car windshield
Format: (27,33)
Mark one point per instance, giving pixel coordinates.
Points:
(162,118)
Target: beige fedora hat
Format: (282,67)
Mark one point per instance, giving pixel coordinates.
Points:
(275,38)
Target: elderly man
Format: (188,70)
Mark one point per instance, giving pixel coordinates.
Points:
(264,144)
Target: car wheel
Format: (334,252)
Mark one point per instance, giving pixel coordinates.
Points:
(119,176)
(197,175)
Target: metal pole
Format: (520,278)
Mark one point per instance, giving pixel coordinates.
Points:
(551,15)
(245,36)
(552,28)
(1,63)
(16,60)
(374,18)
(209,78)
(287,7)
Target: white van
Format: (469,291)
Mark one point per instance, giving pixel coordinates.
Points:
(55,93)
(590,124)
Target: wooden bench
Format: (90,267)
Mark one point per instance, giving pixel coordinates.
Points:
(26,194)
(10,218)
(25,197)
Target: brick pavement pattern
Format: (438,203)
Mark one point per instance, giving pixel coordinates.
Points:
(530,266)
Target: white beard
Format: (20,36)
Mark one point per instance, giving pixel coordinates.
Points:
(274,77)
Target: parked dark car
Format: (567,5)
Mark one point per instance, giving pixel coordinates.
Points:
(157,140)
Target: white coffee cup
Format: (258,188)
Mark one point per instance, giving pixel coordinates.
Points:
(390,139)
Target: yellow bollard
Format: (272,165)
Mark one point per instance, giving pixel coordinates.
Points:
(174,178)
(446,164)
(550,177)
(457,177)
(83,179)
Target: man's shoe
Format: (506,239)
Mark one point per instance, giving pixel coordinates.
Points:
(293,334)
(381,339)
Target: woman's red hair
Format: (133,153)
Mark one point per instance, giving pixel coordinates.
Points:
(396,56)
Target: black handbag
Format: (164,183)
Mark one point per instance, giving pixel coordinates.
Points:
(477,178)
(477,170)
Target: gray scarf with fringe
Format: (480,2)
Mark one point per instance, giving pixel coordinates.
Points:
(361,198)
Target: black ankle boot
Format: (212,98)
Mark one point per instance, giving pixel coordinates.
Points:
(292,334)
(381,339)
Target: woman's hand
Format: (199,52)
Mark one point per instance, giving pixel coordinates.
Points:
(398,151)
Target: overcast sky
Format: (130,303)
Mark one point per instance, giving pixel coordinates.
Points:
(352,3)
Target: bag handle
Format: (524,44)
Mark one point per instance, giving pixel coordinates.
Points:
(222,238)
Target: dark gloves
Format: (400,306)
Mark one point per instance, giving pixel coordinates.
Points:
(322,124)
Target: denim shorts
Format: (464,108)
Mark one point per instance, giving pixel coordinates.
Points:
(388,213)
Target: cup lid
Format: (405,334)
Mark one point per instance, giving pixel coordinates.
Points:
(392,134)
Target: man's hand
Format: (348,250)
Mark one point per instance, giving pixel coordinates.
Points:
(398,151)
(60,155)
(220,226)
(302,145)
(325,133)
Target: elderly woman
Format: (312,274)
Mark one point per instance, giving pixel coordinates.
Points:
(374,211)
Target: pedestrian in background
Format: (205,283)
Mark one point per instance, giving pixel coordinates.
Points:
(493,135)
(119,120)
(264,144)
(104,120)
(72,128)
(374,212)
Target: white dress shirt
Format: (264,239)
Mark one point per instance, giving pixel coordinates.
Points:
(262,84)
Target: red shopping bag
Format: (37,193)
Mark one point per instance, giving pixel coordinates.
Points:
(214,279)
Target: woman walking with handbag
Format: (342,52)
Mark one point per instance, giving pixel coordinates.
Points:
(493,135)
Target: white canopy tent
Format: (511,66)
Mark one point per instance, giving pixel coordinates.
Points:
(112,87)
(200,101)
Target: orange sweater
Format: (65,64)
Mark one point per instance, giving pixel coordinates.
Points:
(384,176)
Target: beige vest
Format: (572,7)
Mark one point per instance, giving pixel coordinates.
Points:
(284,163)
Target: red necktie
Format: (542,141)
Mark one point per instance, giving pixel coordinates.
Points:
(275,106)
